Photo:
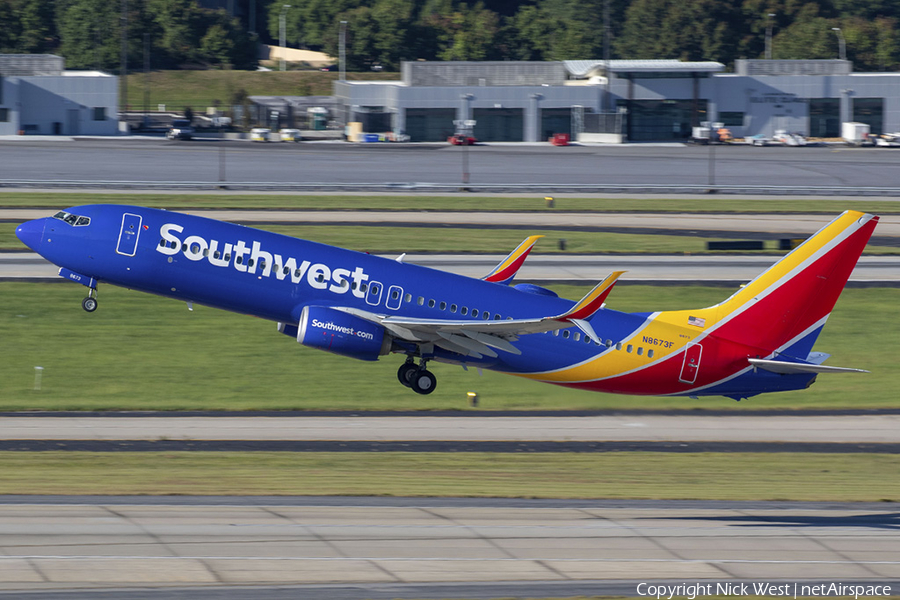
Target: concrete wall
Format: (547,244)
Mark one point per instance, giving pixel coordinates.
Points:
(769,102)
(61,104)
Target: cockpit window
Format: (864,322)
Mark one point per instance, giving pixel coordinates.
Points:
(74,220)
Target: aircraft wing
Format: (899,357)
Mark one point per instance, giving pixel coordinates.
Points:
(785,368)
(478,338)
(509,266)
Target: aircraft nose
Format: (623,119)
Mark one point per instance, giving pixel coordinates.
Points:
(31,233)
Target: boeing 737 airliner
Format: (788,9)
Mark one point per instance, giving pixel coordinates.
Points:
(758,340)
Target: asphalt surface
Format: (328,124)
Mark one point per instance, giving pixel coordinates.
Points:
(142,160)
(404,548)
(857,429)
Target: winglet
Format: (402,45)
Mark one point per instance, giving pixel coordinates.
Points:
(592,302)
(509,266)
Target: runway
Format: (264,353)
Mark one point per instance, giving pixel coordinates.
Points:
(396,544)
(744,428)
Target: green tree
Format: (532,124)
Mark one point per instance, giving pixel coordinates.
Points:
(686,30)
(216,47)
(177,31)
(90,33)
(471,34)
(809,36)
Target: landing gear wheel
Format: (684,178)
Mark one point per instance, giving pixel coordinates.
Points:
(89,304)
(405,373)
(423,382)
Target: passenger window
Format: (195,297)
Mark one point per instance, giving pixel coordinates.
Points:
(250,263)
(395,294)
(566,334)
(453,308)
(363,287)
(407,298)
(618,345)
(649,353)
(577,336)
(464,311)
(443,306)
(474,313)
(497,317)
(239,260)
(609,343)
(420,300)
(640,350)
(162,243)
(430,303)
(629,348)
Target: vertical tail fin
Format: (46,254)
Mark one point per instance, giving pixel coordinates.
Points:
(787,305)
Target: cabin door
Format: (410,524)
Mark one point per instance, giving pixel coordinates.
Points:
(129,234)
(691,364)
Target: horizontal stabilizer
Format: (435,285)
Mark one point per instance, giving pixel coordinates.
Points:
(787,368)
(506,271)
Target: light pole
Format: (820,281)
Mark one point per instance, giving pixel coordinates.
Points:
(842,43)
(281,28)
(342,56)
(769,18)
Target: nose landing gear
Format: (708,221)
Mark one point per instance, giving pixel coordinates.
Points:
(417,377)
(90,303)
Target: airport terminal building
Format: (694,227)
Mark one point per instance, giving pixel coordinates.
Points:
(638,100)
(38,96)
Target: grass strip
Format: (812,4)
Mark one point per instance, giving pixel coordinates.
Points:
(143,352)
(813,477)
(462,202)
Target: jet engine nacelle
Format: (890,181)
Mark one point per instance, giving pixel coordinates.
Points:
(341,333)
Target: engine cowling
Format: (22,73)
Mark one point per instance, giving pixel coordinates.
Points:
(341,333)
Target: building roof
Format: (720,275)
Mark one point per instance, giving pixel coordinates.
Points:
(585,68)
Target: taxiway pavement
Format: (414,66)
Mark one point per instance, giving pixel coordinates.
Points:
(97,544)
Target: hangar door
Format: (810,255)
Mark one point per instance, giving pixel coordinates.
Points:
(660,120)
(499,124)
(555,120)
(430,124)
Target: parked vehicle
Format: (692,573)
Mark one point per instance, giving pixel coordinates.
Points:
(462,140)
(888,140)
(290,135)
(758,140)
(260,134)
(180,130)
(786,138)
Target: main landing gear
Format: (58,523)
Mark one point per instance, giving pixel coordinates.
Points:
(417,377)
(90,303)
